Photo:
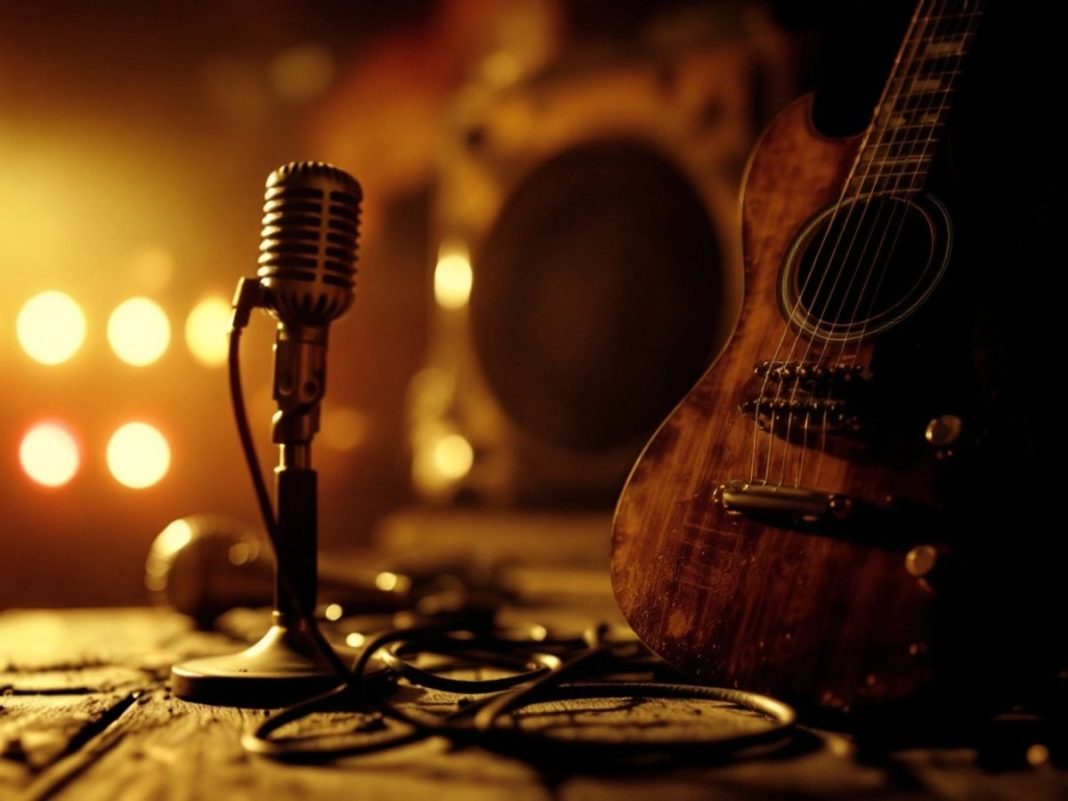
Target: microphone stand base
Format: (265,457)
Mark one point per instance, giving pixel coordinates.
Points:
(285,666)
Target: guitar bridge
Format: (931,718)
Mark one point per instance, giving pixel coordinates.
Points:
(782,415)
(787,504)
(812,375)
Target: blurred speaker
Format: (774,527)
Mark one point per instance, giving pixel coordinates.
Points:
(588,268)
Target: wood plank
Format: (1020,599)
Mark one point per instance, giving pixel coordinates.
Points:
(102,746)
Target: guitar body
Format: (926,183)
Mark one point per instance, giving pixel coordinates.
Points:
(834,621)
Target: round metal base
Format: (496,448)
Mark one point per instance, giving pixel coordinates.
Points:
(285,666)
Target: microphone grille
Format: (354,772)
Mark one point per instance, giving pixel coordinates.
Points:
(308,250)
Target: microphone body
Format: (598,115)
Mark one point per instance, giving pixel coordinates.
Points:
(307,271)
(308,252)
(305,279)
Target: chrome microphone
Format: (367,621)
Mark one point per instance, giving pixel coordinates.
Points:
(311,219)
(311,215)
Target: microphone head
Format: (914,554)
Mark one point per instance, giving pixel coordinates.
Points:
(311,219)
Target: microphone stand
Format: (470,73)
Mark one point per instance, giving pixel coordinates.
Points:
(290,662)
(305,279)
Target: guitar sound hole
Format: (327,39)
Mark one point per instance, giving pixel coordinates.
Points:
(864,268)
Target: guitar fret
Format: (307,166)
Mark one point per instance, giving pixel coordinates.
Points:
(919,101)
(891,181)
(926,85)
(904,131)
(950,47)
(951,15)
(871,159)
(911,127)
(872,154)
(946,65)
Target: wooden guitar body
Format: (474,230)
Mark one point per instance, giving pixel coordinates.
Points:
(830,620)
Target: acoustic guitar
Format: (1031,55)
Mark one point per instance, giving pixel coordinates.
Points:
(790,527)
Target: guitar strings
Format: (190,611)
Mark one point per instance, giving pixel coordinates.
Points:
(902,75)
(909,44)
(964,33)
(913,148)
(761,397)
(919,148)
(905,147)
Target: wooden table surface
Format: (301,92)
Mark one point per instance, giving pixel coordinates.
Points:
(86,714)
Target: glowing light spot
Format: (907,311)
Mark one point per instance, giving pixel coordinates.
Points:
(51,327)
(49,454)
(355,640)
(386,581)
(302,72)
(206,331)
(1037,755)
(173,538)
(138,331)
(453,277)
(138,455)
(453,456)
(239,553)
(333,612)
(344,428)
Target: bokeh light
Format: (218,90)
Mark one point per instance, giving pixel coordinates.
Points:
(206,330)
(453,276)
(49,454)
(139,331)
(138,455)
(453,456)
(51,327)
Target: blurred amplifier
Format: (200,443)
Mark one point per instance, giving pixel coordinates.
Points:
(588,267)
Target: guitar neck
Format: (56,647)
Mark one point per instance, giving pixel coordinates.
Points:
(899,144)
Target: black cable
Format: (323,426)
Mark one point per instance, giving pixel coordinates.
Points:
(248,445)
(491,722)
(528,664)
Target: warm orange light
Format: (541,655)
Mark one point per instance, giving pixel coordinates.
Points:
(51,327)
(138,455)
(206,331)
(453,456)
(139,331)
(453,277)
(49,454)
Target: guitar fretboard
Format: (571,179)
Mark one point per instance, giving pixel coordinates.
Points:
(901,140)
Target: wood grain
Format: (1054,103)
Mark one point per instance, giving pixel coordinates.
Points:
(813,619)
(101,746)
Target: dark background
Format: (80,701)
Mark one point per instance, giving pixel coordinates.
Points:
(129,126)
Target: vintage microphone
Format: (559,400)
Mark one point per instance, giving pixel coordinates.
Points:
(305,280)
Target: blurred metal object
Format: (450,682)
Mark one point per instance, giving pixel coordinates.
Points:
(204,565)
